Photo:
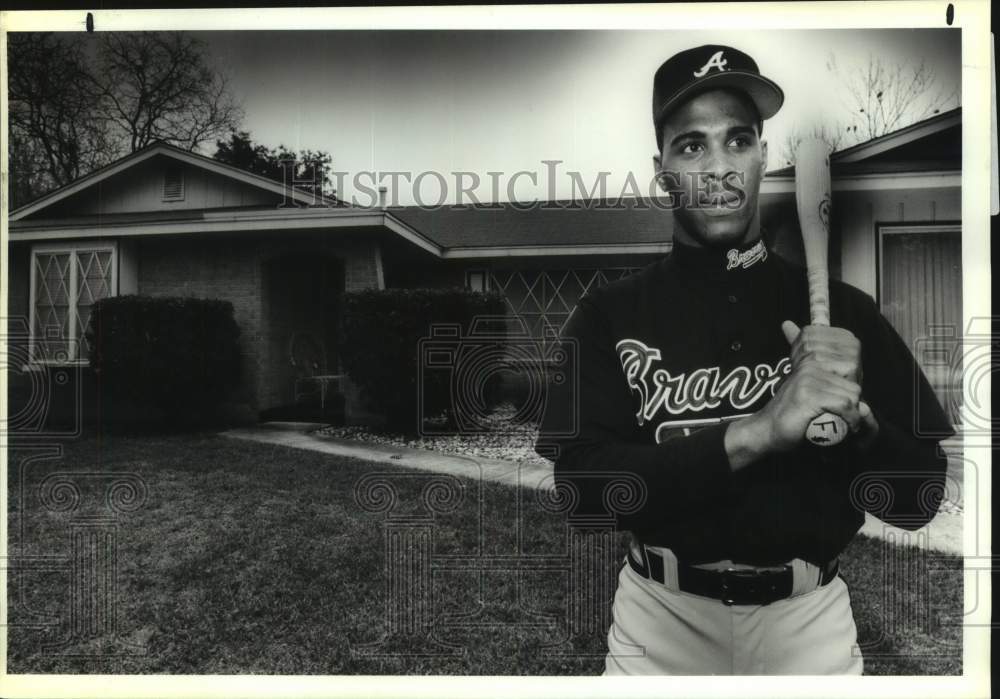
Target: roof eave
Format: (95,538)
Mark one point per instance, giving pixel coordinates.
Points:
(236,222)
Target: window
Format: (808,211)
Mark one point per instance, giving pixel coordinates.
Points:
(66,281)
(475,280)
(920,293)
(173,184)
(544,298)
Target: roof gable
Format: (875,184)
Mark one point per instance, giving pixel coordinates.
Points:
(135,184)
(931,144)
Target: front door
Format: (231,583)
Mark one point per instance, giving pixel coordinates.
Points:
(303,293)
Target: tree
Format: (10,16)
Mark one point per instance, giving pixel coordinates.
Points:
(56,129)
(881,98)
(158,87)
(885,97)
(308,166)
(75,106)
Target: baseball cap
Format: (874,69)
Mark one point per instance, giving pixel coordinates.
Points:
(689,72)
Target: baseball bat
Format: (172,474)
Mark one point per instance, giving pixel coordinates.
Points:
(812,198)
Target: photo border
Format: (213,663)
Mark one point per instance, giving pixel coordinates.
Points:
(972,16)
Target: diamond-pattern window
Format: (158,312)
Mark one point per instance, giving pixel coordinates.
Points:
(544,299)
(66,284)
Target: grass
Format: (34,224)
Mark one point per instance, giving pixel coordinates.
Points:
(247,558)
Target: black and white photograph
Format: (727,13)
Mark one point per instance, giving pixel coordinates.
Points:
(496,346)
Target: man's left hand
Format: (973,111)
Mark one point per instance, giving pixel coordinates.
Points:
(835,349)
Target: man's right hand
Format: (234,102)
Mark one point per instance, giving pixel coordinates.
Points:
(780,426)
(808,392)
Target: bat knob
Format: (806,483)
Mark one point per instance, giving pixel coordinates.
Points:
(827,430)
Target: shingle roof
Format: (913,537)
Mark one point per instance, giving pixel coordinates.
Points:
(597,222)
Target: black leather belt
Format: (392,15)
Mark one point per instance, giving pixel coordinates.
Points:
(730,585)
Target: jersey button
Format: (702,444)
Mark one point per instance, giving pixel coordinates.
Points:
(732,298)
(735,346)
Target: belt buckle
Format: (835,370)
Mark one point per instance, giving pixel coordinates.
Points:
(728,574)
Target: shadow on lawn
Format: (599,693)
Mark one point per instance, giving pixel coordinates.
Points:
(248,558)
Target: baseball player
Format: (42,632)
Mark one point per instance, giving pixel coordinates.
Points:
(699,375)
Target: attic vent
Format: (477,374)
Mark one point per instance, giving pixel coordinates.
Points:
(173,184)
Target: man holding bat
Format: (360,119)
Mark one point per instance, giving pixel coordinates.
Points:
(701,377)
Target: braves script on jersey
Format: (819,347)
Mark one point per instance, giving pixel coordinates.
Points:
(696,390)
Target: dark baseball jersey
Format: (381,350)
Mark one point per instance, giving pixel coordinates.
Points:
(668,355)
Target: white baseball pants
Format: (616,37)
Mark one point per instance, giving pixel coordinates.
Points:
(659,631)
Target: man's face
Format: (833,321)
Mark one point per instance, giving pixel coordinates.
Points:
(713,162)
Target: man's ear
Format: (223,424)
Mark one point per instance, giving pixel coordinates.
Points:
(763,158)
(658,172)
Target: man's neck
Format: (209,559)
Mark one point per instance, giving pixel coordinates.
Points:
(686,237)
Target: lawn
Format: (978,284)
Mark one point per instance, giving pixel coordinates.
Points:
(246,558)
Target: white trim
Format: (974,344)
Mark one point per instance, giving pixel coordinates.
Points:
(228,222)
(891,228)
(547,250)
(171,152)
(225,222)
(206,225)
(72,249)
(877,181)
(409,233)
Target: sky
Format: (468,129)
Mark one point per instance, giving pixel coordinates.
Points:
(506,101)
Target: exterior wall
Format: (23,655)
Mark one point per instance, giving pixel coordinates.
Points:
(856,218)
(232,268)
(140,190)
(16,328)
(209,268)
(18,283)
(863,212)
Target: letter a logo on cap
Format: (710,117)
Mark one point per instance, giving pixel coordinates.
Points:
(716,61)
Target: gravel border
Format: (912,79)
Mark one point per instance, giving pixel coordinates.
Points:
(501,438)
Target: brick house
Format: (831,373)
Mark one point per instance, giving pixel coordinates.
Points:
(163,221)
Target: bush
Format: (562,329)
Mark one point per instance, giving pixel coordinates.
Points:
(178,355)
(380,336)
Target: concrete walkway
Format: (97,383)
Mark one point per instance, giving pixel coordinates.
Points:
(943,533)
(299,435)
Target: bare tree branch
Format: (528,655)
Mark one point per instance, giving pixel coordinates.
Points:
(887,97)
(165,91)
(833,135)
(74,110)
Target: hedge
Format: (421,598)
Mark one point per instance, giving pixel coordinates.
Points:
(176,354)
(381,335)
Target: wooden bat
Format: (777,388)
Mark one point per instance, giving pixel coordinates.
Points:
(812,198)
